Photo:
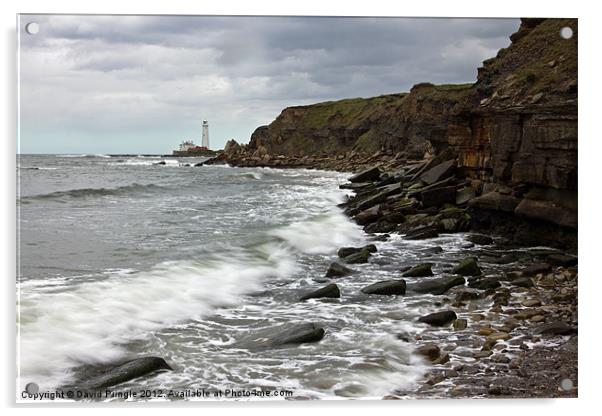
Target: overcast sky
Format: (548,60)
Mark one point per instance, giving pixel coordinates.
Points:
(126,84)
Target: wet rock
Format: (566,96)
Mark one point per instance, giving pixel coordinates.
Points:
(439,172)
(436,286)
(380,227)
(465,294)
(438,318)
(160,163)
(482,354)
(536,268)
(467,267)
(125,372)
(286,335)
(420,270)
(387,287)
(433,250)
(438,197)
(357,258)
(368,216)
(197,165)
(460,324)
(368,175)
(555,328)
(338,270)
(429,351)
(422,233)
(562,260)
(480,239)
(523,282)
(347,251)
(329,291)
(485,284)
(381,196)
(495,201)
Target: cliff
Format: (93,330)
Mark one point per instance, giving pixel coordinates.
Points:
(513,132)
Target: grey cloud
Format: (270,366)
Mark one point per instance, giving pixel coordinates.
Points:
(149,79)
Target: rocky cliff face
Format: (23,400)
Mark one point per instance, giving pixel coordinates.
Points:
(513,132)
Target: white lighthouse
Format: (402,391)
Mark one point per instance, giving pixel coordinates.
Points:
(205,134)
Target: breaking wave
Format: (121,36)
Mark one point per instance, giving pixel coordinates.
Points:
(95,192)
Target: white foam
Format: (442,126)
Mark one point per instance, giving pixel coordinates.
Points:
(91,322)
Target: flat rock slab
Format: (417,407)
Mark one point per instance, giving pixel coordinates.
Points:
(328,291)
(422,233)
(535,269)
(124,372)
(555,328)
(439,318)
(387,287)
(437,286)
(439,172)
(562,260)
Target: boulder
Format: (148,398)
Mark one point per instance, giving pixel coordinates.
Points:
(438,197)
(368,175)
(387,287)
(523,282)
(436,286)
(535,269)
(422,233)
(430,351)
(485,284)
(125,372)
(381,195)
(467,267)
(368,216)
(196,165)
(555,328)
(562,260)
(338,270)
(285,335)
(480,239)
(439,318)
(495,201)
(356,258)
(420,270)
(439,172)
(547,211)
(347,251)
(328,291)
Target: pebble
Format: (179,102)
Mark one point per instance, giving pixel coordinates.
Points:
(537,318)
(531,302)
(484,330)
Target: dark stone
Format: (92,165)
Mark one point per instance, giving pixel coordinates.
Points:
(381,196)
(429,351)
(535,269)
(420,270)
(438,197)
(284,335)
(160,163)
(495,201)
(380,227)
(368,216)
(388,287)
(338,270)
(436,286)
(196,165)
(523,282)
(433,250)
(439,318)
(555,328)
(368,175)
(464,195)
(562,260)
(125,372)
(347,251)
(329,291)
(467,267)
(547,211)
(422,233)
(356,258)
(486,283)
(439,172)
(480,239)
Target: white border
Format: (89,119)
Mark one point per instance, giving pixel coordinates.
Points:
(589,155)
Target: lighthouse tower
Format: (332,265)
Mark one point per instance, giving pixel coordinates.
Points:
(205,134)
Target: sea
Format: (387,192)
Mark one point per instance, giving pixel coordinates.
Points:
(125,256)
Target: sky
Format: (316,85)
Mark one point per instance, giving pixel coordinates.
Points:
(142,84)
